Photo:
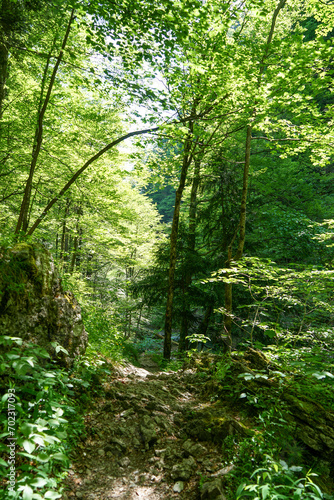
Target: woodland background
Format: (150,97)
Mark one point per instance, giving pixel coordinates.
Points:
(167,152)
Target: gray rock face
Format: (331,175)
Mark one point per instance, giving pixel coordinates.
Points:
(194,449)
(34,306)
(184,469)
(212,490)
(148,432)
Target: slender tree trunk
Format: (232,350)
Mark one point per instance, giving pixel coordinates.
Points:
(78,257)
(187,157)
(139,319)
(74,254)
(183,344)
(4,39)
(243,204)
(22,222)
(3,73)
(76,240)
(203,328)
(63,234)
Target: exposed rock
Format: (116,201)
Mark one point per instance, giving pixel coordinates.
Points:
(178,486)
(147,362)
(215,426)
(118,443)
(314,424)
(34,306)
(148,432)
(124,462)
(212,490)
(194,449)
(173,466)
(256,359)
(184,470)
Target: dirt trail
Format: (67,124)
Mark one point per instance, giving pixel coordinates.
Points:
(147,439)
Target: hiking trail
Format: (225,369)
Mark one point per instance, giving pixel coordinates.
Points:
(148,438)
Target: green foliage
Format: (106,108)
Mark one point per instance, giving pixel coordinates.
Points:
(272,461)
(42,409)
(103,335)
(278,481)
(46,422)
(149,344)
(286,305)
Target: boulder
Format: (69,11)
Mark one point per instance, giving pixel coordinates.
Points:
(34,306)
(212,490)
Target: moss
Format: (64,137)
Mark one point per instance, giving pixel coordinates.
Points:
(213,424)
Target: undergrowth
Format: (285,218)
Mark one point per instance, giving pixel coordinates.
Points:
(273,464)
(41,418)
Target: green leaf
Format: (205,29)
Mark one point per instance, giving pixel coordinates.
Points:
(39,482)
(3,463)
(29,446)
(265,491)
(60,456)
(43,457)
(297,494)
(30,360)
(38,439)
(27,493)
(240,489)
(52,495)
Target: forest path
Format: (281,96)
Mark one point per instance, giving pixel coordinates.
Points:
(143,440)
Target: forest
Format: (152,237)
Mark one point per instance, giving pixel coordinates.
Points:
(166,249)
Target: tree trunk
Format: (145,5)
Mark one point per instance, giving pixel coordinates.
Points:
(183,344)
(203,328)
(243,204)
(76,240)
(63,234)
(4,39)
(187,157)
(3,73)
(22,222)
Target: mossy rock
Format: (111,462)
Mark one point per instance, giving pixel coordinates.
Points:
(214,424)
(34,306)
(314,424)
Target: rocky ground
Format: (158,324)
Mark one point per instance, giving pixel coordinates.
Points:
(149,438)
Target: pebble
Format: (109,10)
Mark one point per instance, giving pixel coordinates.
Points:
(124,462)
(178,486)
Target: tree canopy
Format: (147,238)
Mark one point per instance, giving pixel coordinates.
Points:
(176,159)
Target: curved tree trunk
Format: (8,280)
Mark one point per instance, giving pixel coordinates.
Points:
(22,222)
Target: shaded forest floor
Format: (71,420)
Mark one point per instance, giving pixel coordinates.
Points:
(162,435)
(142,441)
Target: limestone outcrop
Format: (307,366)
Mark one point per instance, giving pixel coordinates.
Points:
(34,306)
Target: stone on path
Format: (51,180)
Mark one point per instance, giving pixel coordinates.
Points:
(178,486)
(212,490)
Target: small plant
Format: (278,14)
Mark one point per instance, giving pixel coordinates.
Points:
(278,481)
(40,415)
